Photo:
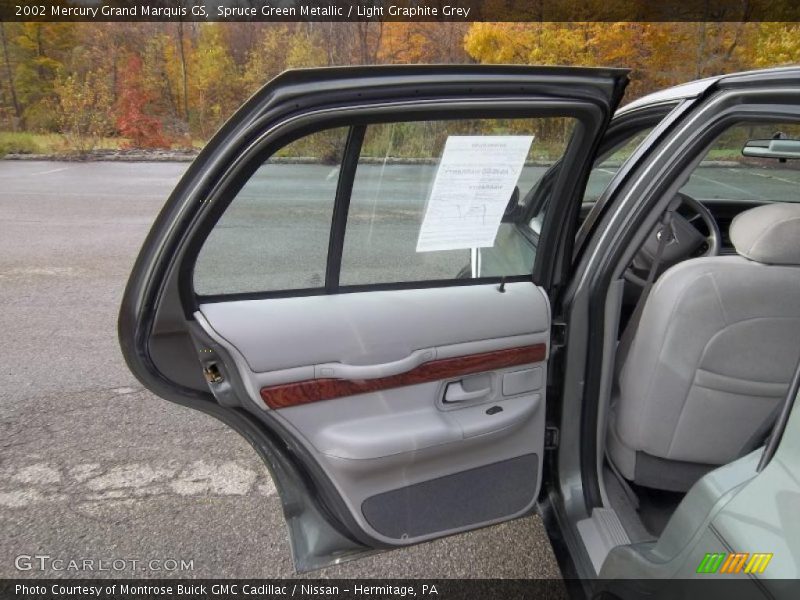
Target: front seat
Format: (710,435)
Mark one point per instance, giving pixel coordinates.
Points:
(712,356)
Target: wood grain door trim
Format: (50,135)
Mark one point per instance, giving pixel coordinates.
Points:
(316,390)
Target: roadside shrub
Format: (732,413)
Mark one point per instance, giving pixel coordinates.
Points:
(83,101)
(135,120)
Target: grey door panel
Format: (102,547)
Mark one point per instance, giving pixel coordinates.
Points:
(409,456)
(416,424)
(386,451)
(374,327)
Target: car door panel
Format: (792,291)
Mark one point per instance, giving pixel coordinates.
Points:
(374,458)
(390,411)
(377,327)
(458,396)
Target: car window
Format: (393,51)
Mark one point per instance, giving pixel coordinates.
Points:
(428,199)
(606,167)
(274,235)
(725,174)
(392,202)
(600,176)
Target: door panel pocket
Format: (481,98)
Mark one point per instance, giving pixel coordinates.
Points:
(481,495)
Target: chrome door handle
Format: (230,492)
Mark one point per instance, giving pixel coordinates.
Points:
(455,392)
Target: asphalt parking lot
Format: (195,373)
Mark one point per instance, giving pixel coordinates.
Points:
(91,465)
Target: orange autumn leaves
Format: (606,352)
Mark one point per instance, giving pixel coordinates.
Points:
(174,84)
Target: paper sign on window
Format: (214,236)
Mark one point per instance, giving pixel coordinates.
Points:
(475,180)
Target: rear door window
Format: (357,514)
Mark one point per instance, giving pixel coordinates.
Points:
(427,202)
(274,235)
(401,229)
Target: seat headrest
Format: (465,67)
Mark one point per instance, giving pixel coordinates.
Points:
(768,234)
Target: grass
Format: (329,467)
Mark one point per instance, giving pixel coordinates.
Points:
(12,142)
(725,154)
(19,143)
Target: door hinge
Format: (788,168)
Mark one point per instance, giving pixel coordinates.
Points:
(551,437)
(558,334)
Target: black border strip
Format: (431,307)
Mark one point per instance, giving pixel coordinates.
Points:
(360,288)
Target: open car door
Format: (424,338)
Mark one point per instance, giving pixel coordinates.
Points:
(308,283)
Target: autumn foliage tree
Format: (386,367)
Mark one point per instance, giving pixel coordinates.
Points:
(658,54)
(161,83)
(84,101)
(39,52)
(134,122)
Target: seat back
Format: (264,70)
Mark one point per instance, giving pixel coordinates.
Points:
(713,353)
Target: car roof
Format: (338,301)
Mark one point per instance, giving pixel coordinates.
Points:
(695,88)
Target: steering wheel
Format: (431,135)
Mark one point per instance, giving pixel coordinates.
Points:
(685,241)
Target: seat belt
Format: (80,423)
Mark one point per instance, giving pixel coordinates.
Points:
(626,339)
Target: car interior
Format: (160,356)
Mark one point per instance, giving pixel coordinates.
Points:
(720,272)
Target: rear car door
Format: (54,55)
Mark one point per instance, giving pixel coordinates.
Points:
(309,283)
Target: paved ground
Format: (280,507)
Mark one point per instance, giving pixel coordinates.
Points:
(92,466)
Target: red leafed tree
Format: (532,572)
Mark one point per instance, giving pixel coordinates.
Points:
(135,120)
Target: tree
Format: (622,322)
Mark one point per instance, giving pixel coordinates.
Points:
(283,47)
(368,36)
(181,41)
(266,59)
(134,121)
(191,76)
(10,78)
(84,105)
(776,44)
(216,87)
(41,50)
(659,54)
(412,42)
(531,43)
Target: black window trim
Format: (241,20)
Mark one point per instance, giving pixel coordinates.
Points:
(341,207)
(361,288)
(266,144)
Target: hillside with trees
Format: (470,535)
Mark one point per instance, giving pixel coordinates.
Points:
(74,87)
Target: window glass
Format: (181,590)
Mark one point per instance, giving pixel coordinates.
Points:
(274,234)
(412,202)
(601,174)
(604,170)
(430,201)
(725,174)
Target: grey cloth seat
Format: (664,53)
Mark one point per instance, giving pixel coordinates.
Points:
(712,356)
